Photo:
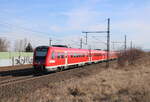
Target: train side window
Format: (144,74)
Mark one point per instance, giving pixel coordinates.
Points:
(74,54)
(53,55)
(83,55)
(77,55)
(62,56)
(58,55)
(71,55)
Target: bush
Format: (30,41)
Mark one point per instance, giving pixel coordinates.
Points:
(129,57)
(29,48)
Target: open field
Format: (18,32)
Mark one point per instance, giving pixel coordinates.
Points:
(94,83)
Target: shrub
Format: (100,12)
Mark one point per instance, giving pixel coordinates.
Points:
(130,56)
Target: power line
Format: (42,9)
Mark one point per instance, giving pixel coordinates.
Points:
(114,42)
(99,40)
(125,43)
(50,42)
(23,28)
(99,36)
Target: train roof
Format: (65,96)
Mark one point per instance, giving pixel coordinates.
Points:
(61,48)
(42,47)
(65,46)
(76,49)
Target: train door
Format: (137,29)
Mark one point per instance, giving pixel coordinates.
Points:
(90,55)
(66,58)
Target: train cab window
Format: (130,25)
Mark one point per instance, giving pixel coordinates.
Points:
(41,52)
(53,55)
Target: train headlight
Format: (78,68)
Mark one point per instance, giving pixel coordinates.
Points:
(52,61)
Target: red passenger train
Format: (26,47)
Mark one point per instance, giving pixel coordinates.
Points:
(57,58)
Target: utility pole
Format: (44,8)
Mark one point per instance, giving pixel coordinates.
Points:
(50,42)
(108,42)
(131,45)
(81,43)
(86,38)
(108,39)
(125,43)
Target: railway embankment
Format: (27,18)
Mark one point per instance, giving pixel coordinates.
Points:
(94,83)
(43,80)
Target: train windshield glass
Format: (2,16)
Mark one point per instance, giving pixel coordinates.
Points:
(40,52)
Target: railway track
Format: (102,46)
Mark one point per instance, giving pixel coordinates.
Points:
(15,80)
(20,79)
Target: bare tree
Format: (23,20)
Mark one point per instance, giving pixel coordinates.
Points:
(20,45)
(4,44)
(29,48)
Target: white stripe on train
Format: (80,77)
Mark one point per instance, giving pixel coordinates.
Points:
(52,68)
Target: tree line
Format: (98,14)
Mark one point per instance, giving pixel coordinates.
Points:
(19,45)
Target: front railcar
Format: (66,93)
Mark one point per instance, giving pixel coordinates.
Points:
(39,59)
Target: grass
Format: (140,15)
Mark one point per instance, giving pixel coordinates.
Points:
(112,85)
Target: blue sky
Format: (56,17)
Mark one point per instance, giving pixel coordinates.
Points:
(64,20)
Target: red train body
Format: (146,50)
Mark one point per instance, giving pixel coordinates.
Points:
(57,58)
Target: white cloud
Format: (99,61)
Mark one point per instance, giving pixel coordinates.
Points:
(56,28)
(81,18)
(136,30)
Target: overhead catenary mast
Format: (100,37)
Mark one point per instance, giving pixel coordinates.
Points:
(108,39)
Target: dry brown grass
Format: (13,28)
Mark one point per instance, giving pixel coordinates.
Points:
(110,85)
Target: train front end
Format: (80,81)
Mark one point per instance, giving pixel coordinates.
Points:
(39,58)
